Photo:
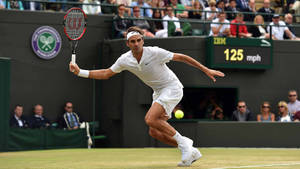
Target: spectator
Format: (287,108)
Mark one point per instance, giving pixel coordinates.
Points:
(242,28)
(296,117)
(242,113)
(204,3)
(14,4)
(157,4)
(70,119)
(157,26)
(252,9)
(266,115)
(125,3)
(92,9)
(267,10)
(120,23)
(294,103)
(259,31)
(279,28)
(218,29)
(187,3)
(284,5)
(288,19)
(296,10)
(32,6)
(181,13)
(2,5)
(170,17)
(109,9)
(195,14)
(143,12)
(283,112)
(221,5)
(242,4)
(232,9)
(38,120)
(142,24)
(211,13)
(18,120)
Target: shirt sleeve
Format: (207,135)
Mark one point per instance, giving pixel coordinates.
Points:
(118,66)
(163,55)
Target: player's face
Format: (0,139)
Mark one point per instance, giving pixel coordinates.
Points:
(135,43)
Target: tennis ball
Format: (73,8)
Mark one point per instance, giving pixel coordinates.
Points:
(179,114)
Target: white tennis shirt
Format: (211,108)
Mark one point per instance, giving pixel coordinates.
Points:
(151,69)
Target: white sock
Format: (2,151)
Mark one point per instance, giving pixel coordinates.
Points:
(178,137)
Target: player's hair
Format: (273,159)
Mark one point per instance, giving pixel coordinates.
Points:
(135,29)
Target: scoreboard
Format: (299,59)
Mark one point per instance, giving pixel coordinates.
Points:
(239,53)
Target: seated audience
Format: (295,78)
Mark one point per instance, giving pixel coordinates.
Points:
(242,4)
(267,10)
(32,6)
(157,4)
(14,4)
(18,120)
(250,8)
(2,5)
(92,9)
(288,19)
(157,26)
(296,117)
(125,3)
(195,14)
(212,11)
(181,13)
(283,112)
(38,120)
(296,10)
(266,115)
(294,103)
(204,3)
(70,119)
(143,12)
(258,31)
(109,9)
(218,29)
(232,9)
(279,28)
(242,113)
(242,28)
(142,24)
(221,5)
(187,3)
(120,23)
(170,17)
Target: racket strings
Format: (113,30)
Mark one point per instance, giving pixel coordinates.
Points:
(75,23)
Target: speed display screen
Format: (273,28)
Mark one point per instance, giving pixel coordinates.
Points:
(239,53)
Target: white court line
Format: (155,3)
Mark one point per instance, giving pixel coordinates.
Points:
(254,166)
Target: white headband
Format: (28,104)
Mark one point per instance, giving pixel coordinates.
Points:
(130,34)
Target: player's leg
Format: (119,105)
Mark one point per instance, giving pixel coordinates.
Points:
(162,137)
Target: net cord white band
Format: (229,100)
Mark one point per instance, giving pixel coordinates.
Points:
(83,73)
(130,34)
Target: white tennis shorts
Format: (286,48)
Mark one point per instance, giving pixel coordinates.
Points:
(168,97)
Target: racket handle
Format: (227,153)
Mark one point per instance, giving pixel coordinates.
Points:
(73,60)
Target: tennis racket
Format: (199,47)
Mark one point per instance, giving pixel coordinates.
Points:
(74,28)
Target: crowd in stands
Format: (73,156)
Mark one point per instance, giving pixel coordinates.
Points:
(67,120)
(228,17)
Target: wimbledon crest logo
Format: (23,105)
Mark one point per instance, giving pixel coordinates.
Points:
(46,42)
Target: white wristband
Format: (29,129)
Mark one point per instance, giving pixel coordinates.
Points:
(83,73)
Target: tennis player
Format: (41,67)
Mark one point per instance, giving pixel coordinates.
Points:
(149,64)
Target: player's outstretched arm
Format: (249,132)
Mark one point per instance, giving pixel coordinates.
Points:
(189,60)
(93,74)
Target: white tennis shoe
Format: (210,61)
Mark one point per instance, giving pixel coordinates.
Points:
(186,149)
(196,155)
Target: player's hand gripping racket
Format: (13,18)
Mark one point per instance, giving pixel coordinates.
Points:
(74,28)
